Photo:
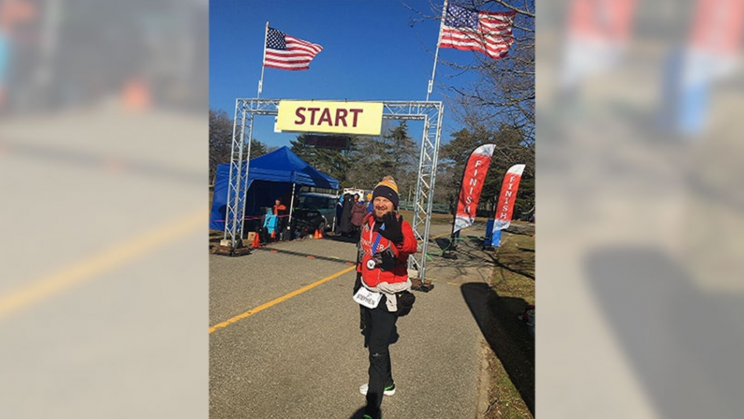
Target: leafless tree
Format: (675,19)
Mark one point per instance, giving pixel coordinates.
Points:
(505,91)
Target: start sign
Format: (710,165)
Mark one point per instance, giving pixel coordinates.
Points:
(361,118)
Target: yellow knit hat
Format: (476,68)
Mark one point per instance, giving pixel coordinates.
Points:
(387,188)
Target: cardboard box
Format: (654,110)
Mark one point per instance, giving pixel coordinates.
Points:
(251,236)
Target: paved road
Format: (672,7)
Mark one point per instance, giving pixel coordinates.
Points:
(103,289)
(304,356)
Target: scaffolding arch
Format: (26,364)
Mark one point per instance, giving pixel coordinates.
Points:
(429,112)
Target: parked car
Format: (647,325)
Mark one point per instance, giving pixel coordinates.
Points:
(306,222)
(315,210)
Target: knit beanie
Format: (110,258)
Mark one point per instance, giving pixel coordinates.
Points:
(387,189)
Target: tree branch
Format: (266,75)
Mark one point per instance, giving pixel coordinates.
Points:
(524,11)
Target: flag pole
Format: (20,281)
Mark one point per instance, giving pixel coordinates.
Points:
(436,54)
(263,61)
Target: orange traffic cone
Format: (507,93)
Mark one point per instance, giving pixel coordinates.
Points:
(256,242)
(320,233)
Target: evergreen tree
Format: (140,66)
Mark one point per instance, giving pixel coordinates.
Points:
(510,148)
(332,162)
(394,153)
(258,148)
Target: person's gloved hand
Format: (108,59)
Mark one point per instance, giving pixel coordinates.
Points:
(387,259)
(392,229)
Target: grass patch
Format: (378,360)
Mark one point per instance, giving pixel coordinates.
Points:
(514,274)
(511,360)
(505,401)
(435,218)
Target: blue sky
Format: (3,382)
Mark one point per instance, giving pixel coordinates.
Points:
(372,51)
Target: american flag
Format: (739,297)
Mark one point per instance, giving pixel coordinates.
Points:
(288,53)
(473,30)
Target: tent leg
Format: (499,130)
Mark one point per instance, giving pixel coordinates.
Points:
(291,204)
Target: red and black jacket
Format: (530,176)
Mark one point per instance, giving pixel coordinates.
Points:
(399,273)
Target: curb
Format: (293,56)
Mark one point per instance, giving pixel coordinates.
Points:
(484,381)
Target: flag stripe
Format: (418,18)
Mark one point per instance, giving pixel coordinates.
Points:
(506,36)
(300,43)
(286,67)
(497,42)
(475,44)
(287,55)
(495,50)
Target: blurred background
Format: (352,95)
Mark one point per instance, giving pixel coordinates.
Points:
(60,54)
(103,161)
(640,235)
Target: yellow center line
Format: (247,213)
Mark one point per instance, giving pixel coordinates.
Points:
(278,300)
(285,297)
(51,284)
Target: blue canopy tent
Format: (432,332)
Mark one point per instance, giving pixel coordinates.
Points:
(270,176)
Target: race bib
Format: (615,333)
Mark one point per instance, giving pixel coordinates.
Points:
(367,298)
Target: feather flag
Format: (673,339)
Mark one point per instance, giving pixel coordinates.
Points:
(505,207)
(472,185)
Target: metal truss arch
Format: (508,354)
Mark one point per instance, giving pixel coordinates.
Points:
(429,112)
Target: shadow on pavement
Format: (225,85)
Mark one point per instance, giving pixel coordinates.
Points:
(499,320)
(683,342)
(469,255)
(359,414)
(342,238)
(444,243)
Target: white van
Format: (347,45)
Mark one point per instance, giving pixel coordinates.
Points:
(358,192)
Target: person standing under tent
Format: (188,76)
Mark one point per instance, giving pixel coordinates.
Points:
(345,223)
(269,226)
(279,208)
(279,211)
(382,287)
